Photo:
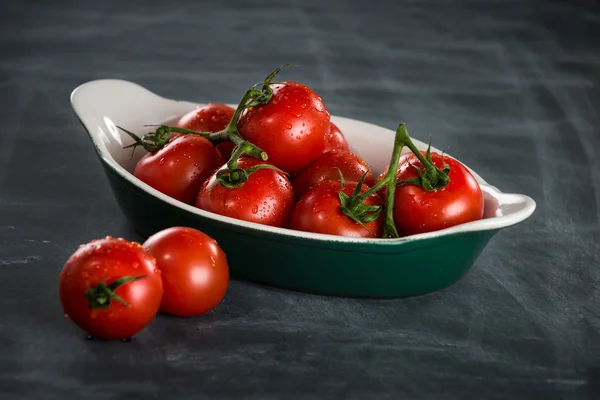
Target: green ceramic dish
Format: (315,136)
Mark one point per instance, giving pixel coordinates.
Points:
(282,257)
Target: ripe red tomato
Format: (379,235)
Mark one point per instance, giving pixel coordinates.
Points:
(194,270)
(209,118)
(417,210)
(266,198)
(336,139)
(326,168)
(291,128)
(87,292)
(180,168)
(319,211)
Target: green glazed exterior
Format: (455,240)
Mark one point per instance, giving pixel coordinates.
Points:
(315,266)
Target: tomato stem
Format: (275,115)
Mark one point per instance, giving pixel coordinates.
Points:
(358,212)
(101,295)
(389,181)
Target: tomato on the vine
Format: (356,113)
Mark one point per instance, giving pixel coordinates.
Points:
(320,211)
(209,118)
(110,288)
(292,128)
(417,210)
(180,168)
(193,267)
(267,197)
(328,167)
(336,139)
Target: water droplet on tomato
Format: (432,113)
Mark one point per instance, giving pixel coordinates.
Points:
(297,136)
(304,105)
(109,238)
(135,265)
(288,126)
(212,262)
(303,124)
(161,161)
(298,115)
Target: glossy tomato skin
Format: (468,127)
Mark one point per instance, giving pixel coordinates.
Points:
(209,118)
(194,270)
(180,168)
(336,139)
(418,211)
(318,211)
(107,260)
(326,168)
(292,128)
(266,198)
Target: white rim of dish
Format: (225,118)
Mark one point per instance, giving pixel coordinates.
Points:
(80,102)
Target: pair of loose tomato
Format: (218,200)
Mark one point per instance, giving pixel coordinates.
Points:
(113,288)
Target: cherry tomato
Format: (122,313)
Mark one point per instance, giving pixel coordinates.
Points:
(326,168)
(319,211)
(180,168)
(266,198)
(336,139)
(91,300)
(291,128)
(417,210)
(194,270)
(209,118)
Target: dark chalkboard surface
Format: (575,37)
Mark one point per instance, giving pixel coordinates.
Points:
(510,87)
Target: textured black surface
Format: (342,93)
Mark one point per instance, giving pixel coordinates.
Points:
(510,87)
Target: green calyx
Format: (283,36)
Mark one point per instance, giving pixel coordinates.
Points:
(430,177)
(101,295)
(235,177)
(152,141)
(353,206)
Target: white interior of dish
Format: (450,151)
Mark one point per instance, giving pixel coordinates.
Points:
(103,104)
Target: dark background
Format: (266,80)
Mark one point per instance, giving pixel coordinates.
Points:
(509,87)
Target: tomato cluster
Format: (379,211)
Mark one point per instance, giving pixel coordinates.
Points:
(278,160)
